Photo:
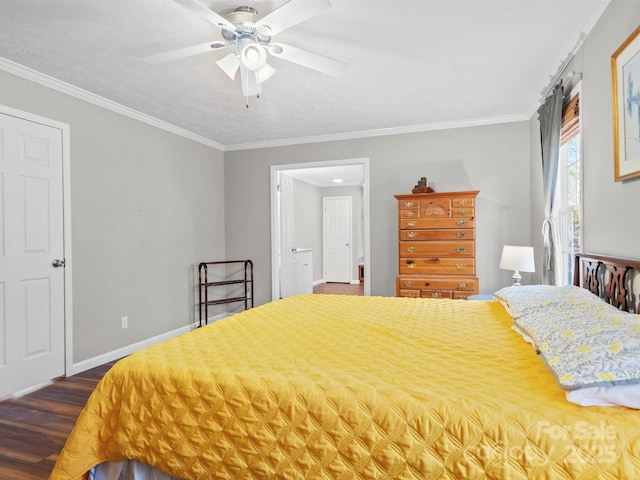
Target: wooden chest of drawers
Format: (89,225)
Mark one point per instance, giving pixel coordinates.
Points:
(437,245)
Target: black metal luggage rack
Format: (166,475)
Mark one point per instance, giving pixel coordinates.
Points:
(226,276)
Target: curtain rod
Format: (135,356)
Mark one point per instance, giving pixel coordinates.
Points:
(553,79)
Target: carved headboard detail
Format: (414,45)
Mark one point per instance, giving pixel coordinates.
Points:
(611,278)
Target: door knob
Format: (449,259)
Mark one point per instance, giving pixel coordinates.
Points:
(58,263)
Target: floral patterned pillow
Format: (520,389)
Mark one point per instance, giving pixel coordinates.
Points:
(584,341)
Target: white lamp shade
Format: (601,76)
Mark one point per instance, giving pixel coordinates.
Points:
(517,258)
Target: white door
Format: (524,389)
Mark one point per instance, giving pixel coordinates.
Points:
(337,239)
(31,239)
(287,267)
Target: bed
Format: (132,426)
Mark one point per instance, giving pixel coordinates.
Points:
(337,387)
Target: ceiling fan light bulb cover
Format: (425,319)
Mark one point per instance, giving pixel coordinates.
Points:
(253,56)
(265,73)
(229,65)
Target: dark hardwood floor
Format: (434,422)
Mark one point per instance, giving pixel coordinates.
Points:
(339,288)
(34,427)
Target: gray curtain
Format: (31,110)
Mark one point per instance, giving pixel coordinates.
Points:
(550,118)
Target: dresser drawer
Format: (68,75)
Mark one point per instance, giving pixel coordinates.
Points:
(437,248)
(465,284)
(409,213)
(436,287)
(429,223)
(435,208)
(436,294)
(402,204)
(463,201)
(408,293)
(438,266)
(444,234)
(463,212)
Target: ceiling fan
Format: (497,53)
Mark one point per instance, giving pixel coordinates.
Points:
(249,37)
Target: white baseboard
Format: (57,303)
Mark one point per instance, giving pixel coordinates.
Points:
(134,347)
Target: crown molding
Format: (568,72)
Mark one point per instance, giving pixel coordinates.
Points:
(73,91)
(428,127)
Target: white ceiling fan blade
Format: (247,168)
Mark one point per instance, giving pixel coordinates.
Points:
(184,52)
(292,13)
(307,59)
(229,65)
(249,85)
(209,15)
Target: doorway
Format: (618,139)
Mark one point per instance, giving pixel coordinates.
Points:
(35,273)
(328,169)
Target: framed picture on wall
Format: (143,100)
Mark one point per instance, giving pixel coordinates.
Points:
(625,70)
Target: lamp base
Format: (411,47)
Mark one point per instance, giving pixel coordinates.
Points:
(516,278)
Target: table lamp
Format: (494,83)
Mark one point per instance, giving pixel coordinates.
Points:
(518,259)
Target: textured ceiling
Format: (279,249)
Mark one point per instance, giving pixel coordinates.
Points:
(412,65)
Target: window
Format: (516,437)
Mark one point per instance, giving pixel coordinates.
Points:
(569,188)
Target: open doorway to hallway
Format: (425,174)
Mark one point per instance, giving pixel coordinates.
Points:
(297,220)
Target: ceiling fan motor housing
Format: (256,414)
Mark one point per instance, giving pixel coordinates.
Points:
(244,19)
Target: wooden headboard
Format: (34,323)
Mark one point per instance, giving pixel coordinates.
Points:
(611,278)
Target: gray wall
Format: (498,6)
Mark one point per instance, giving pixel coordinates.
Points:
(610,220)
(493,159)
(307,222)
(147,206)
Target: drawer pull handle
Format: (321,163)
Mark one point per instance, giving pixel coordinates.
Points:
(409,214)
(463,285)
(462,297)
(411,249)
(461,249)
(408,204)
(412,234)
(461,234)
(462,202)
(463,212)
(408,283)
(409,295)
(461,222)
(411,224)
(411,265)
(436,295)
(461,266)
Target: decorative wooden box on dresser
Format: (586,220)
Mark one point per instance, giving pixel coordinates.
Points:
(437,245)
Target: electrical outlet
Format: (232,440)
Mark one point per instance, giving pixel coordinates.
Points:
(125,322)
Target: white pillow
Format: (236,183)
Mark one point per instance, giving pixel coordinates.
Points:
(618,395)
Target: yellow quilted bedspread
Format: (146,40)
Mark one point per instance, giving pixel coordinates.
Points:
(339,387)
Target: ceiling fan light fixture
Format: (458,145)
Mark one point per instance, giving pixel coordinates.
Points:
(229,65)
(265,73)
(253,56)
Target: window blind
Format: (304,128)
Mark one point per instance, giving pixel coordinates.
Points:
(570,120)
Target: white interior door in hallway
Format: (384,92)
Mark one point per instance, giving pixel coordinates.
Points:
(287,269)
(32,289)
(337,239)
